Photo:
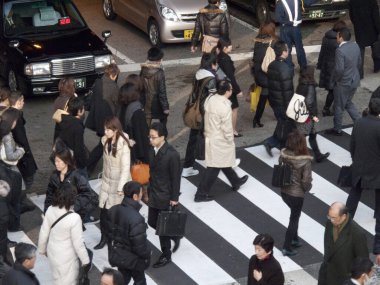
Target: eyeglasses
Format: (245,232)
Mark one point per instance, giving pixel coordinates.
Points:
(332,219)
(152,138)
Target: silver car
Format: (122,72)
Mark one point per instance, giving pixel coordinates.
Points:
(165,21)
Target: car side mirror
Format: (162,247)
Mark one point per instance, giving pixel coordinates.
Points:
(106,35)
(14,43)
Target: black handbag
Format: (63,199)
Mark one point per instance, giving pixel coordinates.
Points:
(282,174)
(171,223)
(345,176)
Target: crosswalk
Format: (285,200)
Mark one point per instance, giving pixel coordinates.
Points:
(219,234)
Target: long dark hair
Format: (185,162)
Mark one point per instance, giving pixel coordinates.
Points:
(65,155)
(7,118)
(114,124)
(65,196)
(296,143)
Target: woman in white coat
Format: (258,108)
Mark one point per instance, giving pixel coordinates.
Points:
(219,142)
(63,243)
(116,170)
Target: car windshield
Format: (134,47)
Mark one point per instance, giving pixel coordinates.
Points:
(25,17)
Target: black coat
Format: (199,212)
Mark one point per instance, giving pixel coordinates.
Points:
(259,50)
(137,129)
(210,21)
(271,269)
(156,100)
(365,17)
(339,255)
(165,177)
(348,282)
(127,228)
(310,94)
(4,219)
(72,134)
(326,60)
(365,152)
(227,65)
(280,84)
(86,199)
(19,275)
(27,165)
(103,104)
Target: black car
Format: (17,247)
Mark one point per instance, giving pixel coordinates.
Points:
(317,9)
(45,40)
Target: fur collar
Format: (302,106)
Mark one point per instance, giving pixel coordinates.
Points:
(152,64)
(287,154)
(211,11)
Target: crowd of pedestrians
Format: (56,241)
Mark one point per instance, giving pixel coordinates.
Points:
(125,118)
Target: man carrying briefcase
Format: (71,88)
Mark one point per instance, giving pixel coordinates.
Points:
(164,184)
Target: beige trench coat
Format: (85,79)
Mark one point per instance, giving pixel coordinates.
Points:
(116,172)
(219,134)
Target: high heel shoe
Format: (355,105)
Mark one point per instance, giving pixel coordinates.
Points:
(102,243)
(257,124)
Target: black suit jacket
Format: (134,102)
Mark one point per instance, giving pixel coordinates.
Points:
(348,282)
(365,152)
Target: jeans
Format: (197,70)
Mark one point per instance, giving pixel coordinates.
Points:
(190,149)
(292,36)
(165,242)
(261,105)
(210,176)
(295,205)
(273,141)
(137,275)
(343,101)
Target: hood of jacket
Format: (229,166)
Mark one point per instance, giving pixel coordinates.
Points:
(211,11)
(297,161)
(203,73)
(4,188)
(149,69)
(331,34)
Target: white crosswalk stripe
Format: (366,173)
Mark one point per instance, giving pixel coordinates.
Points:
(198,259)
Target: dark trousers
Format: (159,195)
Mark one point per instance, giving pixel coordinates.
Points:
(314,144)
(165,242)
(292,36)
(94,157)
(14,179)
(273,141)
(103,221)
(295,205)
(137,275)
(210,176)
(190,149)
(329,99)
(362,52)
(343,101)
(261,105)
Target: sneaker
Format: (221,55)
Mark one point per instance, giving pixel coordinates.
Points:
(237,162)
(189,171)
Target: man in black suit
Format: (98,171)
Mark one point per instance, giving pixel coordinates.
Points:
(365,153)
(346,78)
(361,271)
(365,17)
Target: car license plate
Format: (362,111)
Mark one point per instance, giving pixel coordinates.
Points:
(187,34)
(315,14)
(80,83)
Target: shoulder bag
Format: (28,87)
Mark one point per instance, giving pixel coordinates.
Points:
(208,42)
(282,174)
(297,109)
(57,116)
(140,173)
(60,218)
(268,58)
(345,176)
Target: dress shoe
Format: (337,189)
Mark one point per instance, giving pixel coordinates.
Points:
(242,180)
(237,135)
(286,252)
(327,113)
(322,156)
(334,132)
(101,244)
(11,243)
(296,243)
(177,243)
(162,261)
(257,124)
(206,198)
(268,149)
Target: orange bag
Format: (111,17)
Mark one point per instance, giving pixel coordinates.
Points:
(140,173)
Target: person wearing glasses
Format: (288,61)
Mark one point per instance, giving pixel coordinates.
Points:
(344,241)
(164,185)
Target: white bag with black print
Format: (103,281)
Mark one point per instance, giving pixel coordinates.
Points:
(297,109)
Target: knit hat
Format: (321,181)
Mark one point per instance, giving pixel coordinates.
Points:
(265,241)
(155,54)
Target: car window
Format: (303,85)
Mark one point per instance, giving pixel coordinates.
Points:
(32,17)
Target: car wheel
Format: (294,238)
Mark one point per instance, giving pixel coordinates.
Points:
(154,33)
(108,10)
(12,80)
(262,12)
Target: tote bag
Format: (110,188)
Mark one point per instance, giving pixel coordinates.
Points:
(268,58)
(140,173)
(297,110)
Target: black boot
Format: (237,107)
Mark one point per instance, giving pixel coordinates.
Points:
(102,242)
(26,204)
(319,157)
(257,124)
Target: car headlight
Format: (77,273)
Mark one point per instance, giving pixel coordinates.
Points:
(103,60)
(339,0)
(168,14)
(37,69)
